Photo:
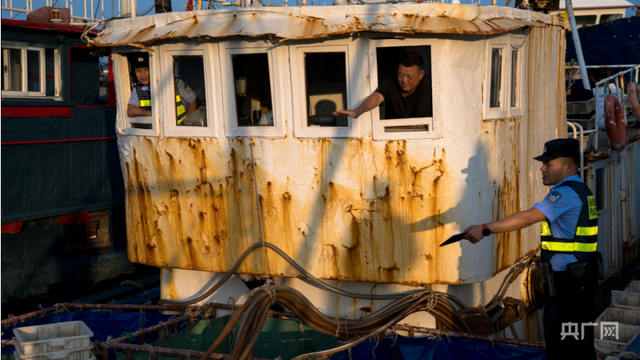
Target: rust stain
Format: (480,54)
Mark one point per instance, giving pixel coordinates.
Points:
(197,210)
(531,327)
(169,288)
(503,135)
(345,209)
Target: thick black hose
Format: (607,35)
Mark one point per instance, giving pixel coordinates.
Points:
(358,341)
(294,264)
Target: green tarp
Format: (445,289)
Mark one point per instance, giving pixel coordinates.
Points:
(279,338)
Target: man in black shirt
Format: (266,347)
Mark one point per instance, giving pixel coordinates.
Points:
(407,95)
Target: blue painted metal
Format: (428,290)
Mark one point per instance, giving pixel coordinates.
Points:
(44,181)
(611,43)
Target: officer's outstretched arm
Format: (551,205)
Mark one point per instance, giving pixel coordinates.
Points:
(517,221)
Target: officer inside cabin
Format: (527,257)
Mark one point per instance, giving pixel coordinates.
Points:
(140,100)
(406,95)
(569,239)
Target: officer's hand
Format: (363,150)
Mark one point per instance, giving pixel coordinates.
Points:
(474,233)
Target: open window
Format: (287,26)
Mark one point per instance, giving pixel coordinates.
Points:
(403,116)
(251,105)
(252,90)
(323,80)
(503,81)
(29,71)
(134,92)
(187,90)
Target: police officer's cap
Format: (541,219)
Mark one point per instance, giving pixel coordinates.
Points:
(560,148)
(139,60)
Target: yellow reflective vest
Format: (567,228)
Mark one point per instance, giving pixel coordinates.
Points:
(144,97)
(585,241)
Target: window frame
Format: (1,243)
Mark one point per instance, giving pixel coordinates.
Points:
(499,112)
(25,93)
(509,43)
(123,92)
(211,76)
(434,122)
(301,128)
(227,50)
(516,110)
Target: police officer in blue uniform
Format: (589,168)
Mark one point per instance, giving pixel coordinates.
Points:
(140,100)
(569,231)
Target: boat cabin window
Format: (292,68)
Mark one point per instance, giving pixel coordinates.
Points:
(503,81)
(496,77)
(515,76)
(30,71)
(138,97)
(188,91)
(586,20)
(515,98)
(609,17)
(252,85)
(326,88)
(251,75)
(402,116)
(321,74)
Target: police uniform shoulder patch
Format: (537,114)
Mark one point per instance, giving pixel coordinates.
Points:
(554,196)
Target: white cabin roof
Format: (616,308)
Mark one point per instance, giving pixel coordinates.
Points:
(308,22)
(596,4)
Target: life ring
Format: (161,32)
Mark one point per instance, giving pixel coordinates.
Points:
(614,122)
(632,94)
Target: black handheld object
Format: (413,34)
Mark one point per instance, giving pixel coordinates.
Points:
(455,238)
(549,282)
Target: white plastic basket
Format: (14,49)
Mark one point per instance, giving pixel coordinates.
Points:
(625,300)
(74,354)
(581,107)
(53,338)
(587,124)
(609,345)
(621,316)
(633,287)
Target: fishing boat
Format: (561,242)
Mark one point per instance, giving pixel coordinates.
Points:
(594,12)
(265,192)
(63,216)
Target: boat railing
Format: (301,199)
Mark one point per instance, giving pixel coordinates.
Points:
(602,87)
(81,12)
(579,133)
(618,80)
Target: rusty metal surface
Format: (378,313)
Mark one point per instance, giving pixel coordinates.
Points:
(352,209)
(513,312)
(291,23)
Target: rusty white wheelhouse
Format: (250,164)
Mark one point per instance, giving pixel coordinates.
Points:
(360,203)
